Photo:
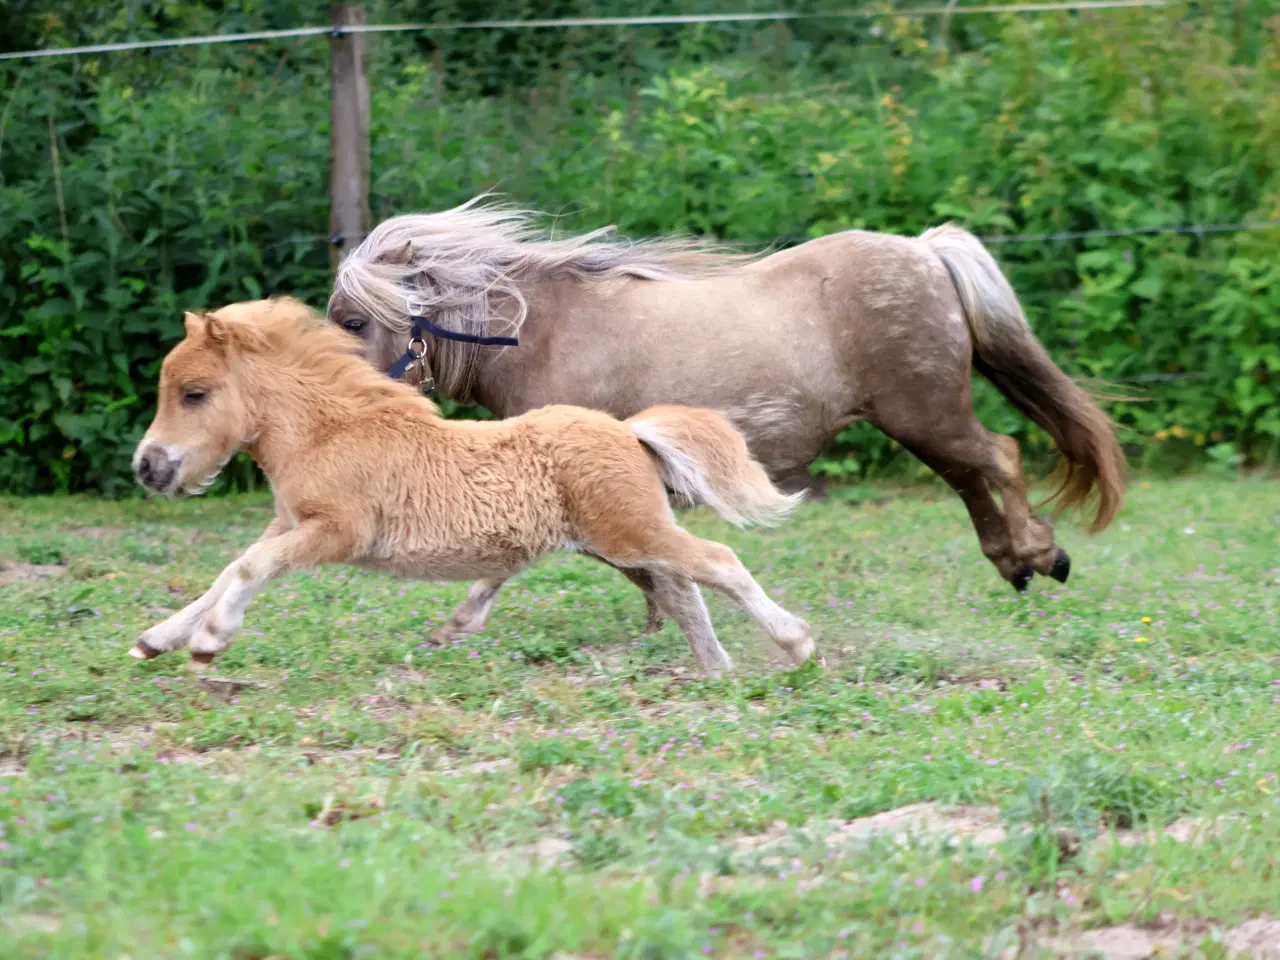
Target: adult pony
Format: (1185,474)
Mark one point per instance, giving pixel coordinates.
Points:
(365,471)
(791,347)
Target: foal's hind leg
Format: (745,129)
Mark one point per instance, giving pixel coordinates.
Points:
(1032,537)
(681,599)
(652,609)
(675,552)
(474,612)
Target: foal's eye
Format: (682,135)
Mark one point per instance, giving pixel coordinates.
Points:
(353,325)
(194,395)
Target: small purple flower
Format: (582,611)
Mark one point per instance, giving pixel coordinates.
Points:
(976,884)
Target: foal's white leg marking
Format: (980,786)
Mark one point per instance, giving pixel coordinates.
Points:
(475,610)
(247,577)
(788,631)
(309,544)
(684,604)
(175,632)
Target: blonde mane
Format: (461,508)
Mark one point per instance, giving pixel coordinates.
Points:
(464,268)
(299,343)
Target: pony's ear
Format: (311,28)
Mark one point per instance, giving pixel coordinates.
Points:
(402,255)
(194,323)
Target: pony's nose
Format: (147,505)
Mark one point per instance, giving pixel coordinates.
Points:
(155,470)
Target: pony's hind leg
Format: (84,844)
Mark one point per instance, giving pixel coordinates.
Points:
(1032,537)
(988,520)
(944,433)
(644,581)
(682,601)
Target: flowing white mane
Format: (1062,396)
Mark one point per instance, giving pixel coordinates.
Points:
(459,266)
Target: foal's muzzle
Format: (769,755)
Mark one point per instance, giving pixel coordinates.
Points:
(155,470)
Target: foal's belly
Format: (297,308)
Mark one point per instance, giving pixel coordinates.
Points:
(448,568)
(463,552)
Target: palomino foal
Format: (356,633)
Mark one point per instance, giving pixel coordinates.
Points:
(366,471)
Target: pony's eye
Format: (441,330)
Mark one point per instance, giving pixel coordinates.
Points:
(353,325)
(193,395)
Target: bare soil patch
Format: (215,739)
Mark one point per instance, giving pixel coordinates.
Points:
(16,572)
(981,825)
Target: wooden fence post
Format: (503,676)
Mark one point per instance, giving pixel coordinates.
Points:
(349,217)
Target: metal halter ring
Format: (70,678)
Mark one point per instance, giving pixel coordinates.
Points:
(426,385)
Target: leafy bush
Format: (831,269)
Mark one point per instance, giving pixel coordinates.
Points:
(136,186)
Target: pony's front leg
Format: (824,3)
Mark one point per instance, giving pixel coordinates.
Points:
(175,632)
(309,544)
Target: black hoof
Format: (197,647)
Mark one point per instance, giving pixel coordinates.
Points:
(1022,578)
(1061,567)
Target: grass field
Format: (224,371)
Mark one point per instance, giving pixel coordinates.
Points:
(973,773)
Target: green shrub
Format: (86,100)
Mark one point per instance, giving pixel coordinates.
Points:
(196,177)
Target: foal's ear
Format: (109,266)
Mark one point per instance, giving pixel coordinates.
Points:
(217,328)
(201,325)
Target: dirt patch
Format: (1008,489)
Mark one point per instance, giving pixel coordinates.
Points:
(980,825)
(547,852)
(28,572)
(1116,943)
(1258,938)
(34,923)
(225,688)
(333,812)
(1190,830)
(483,766)
(96,533)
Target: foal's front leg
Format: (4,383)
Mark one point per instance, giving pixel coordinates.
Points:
(219,613)
(311,543)
(175,632)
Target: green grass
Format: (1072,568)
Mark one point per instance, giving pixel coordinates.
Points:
(371,795)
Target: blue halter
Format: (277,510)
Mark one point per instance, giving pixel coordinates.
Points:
(422,325)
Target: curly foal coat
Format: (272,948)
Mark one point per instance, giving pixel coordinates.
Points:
(365,471)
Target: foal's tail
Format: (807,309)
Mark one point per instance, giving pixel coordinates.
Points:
(704,459)
(1008,354)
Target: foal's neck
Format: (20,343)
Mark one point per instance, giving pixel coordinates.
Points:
(293,408)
